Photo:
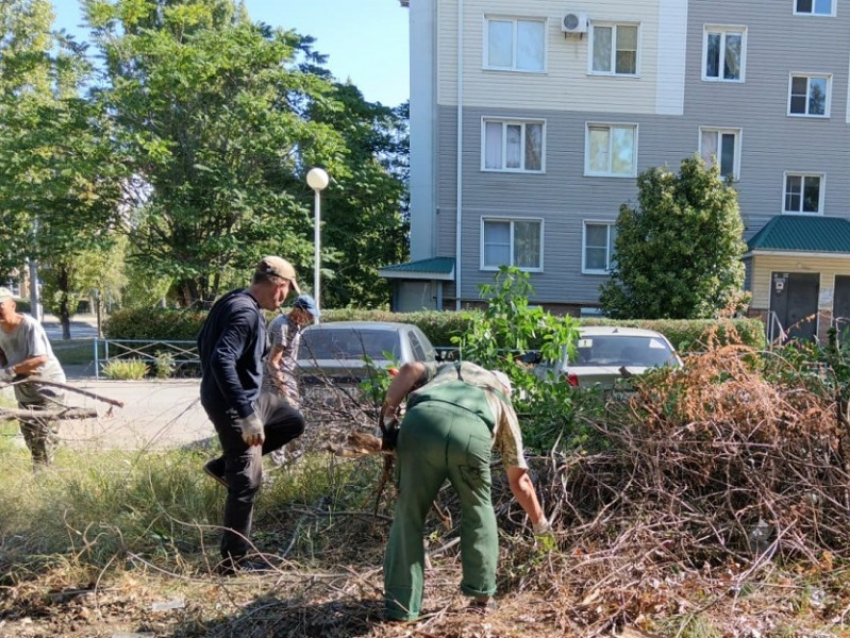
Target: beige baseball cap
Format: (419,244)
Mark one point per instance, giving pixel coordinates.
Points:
(280,268)
(5,294)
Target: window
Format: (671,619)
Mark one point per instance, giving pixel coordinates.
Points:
(803,193)
(512,242)
(723,146)
(611,150)
(615,49)
(808,95)
(348,344)
(418,351)
(813,7)
(725,52)
(598,247)
(512,146)
(515,45)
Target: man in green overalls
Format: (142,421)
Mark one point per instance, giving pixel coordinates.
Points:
(456,413)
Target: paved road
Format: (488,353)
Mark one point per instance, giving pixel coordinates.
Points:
(156,414)
(82,327)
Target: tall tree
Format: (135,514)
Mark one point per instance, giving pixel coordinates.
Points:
(60,183)
(363,214)
(211,110)
(678,252)
(25,42)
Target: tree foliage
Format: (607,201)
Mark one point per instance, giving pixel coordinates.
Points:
(509,328)
(222,119)
(678,252)
(194,145)
(362,216)
(60,179)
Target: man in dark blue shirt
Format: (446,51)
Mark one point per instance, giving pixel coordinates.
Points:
(249,423)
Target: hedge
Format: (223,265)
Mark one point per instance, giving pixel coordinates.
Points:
(184,325)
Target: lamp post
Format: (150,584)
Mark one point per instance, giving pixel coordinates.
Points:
(318,180)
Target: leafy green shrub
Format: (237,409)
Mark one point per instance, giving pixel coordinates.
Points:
(125,369)
(23,305)
(164,365)
(154,324)
(507,328)
(442,327)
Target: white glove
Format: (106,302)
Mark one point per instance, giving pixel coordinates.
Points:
(541,527)
(251,428)
(7,374)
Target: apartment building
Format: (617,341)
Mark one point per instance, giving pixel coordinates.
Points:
(530,120)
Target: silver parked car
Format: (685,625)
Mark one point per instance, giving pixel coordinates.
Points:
(603,354)
(335,354)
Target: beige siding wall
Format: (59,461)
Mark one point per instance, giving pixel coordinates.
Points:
(565,83)
(765,265)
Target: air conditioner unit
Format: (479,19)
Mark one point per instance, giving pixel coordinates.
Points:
(574,23)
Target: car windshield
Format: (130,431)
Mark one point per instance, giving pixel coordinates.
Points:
(349,343)
(605,350)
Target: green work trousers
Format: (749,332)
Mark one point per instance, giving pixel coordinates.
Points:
(440,441)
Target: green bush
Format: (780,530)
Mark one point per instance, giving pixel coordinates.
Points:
(441,327)
(161,324)
(125,369)
(164,365)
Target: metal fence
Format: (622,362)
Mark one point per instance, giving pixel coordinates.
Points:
(149,351)
(183,352)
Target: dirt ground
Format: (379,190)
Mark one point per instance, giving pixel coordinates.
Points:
(331,605)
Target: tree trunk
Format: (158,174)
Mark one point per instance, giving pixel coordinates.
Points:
(65,317)
(189,293)
(64,280)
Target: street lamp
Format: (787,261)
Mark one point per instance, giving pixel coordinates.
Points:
(318,180)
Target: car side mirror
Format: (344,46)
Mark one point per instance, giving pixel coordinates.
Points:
(531,357)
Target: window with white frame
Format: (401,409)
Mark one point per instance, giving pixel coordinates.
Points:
(611,150)
(814,7)
(808,95)
(615,49)
(721,146)
(803,193)
(515,44)
(598,252)
(724,54)
(512,145)
(511,242)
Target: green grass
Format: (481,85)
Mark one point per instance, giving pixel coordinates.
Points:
(74,351)
(92,510)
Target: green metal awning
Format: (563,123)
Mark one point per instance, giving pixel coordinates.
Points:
(802,234)
(442,268)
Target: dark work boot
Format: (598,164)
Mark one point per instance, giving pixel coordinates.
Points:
(215,469)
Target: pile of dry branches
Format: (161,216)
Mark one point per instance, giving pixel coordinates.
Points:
(714,480)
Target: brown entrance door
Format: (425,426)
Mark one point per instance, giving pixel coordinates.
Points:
(794,299)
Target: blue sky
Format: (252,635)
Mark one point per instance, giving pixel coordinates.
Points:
(366,40)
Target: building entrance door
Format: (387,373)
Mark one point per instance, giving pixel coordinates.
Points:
(794,299)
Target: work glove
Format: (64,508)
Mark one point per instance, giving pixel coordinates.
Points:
(389,425)
(542,527)
(251,428)
(7,375)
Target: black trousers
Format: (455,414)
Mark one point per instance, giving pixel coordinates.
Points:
(243,466)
